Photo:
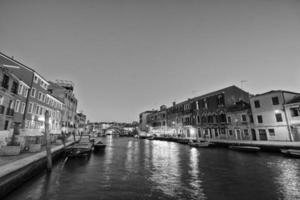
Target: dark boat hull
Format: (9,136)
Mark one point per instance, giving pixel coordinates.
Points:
(245,148)
(79,150)
(99,146)
(200,144)
(291,153)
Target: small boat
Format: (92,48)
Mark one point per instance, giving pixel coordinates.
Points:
(200,144)
(291,152)
(83,148)
(99,146)
(245,148)
(151,138)
(182,140)
(79,150)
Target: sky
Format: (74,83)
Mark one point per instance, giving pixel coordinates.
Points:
(128,56)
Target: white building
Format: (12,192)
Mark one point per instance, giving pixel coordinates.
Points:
(292,108)
(270,115)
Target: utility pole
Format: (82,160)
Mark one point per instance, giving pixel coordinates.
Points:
(48,142)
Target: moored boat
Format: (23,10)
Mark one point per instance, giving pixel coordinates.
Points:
(291,152)
(200,144)
(79,150)
(83,148)
(245,148)
(99,146)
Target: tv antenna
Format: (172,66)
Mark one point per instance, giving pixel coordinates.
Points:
(242,83)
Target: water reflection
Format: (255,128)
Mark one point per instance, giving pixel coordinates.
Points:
(108,158)
(143,169)
(288,178)
(166,173)
(195,180)
(132,156)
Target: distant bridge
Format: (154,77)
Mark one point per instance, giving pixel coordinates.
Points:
(114,130)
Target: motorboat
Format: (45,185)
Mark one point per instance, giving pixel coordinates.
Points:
(244,148)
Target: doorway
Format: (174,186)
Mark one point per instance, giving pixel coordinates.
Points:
(253,133)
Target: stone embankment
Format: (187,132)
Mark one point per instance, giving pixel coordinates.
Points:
(14,174)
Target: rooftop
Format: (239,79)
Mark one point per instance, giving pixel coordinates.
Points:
(275,91)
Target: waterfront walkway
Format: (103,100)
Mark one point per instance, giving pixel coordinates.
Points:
(280,144)
(11,163)
(275,145)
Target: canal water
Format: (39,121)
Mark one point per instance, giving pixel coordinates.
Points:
(144,169)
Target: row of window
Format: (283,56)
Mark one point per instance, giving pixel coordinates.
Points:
(5,84)
(23,90)
(44,98)
(43,84)
(34,108)
(238,132)
(243,118)
(221,118)
(219,100)
(19,106)
(16,88)
(278,118)
(40,125)
(275,101)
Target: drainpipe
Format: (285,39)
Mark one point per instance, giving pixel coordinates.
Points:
(287,121)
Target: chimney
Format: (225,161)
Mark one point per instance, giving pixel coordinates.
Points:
(174,103)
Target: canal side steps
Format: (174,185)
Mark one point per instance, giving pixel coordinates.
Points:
(14,174)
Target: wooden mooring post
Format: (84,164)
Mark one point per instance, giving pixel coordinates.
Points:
(48,142)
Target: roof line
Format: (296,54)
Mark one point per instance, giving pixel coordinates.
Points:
(273,91)
(23,65)
(206,95)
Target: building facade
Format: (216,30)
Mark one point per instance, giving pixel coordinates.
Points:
(240,124)
(143,120)
(157,121)
(32,99)
(202,117)
(80,121)
(292,108)
(8,93)
(64,90)
(270,115)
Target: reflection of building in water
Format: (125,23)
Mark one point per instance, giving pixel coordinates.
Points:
(166,173)
(288,178)
(195,179)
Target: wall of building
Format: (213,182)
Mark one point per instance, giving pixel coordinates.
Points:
(268,112)
(294,119)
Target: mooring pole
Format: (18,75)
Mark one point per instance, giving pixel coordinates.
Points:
(48,142)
